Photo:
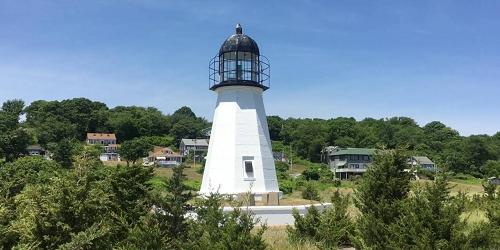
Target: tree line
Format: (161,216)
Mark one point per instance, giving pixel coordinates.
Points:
(52,123)
(61,125)
(478,155)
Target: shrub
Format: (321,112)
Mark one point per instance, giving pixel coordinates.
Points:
(426,174)
(310,192)
(286,186)
(337,182)
(329,229)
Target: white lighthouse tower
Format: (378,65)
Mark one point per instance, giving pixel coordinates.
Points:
(240,155)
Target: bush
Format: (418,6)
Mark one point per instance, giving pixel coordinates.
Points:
(337,182)
(310,192)
(318,172)
(286,186)
(426,174)
(193,185)
(329,229)
(311,174)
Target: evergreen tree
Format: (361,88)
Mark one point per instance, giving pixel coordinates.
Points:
(379,198)
(430,219)
(329,229)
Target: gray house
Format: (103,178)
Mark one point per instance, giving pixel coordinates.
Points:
(423,162)
(200,146)
(349,162)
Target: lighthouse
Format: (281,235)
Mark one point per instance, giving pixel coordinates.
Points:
(239,158)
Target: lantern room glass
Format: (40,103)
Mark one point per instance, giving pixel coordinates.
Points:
(239,66)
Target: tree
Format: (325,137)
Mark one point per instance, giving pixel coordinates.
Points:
(13,138)
(183,113)
(63,151)
(491,169)
(275,123)
(132,122)
(134,150)
(71,118)
(329,229)
(13,144)
(176,203)
(379,198)
(430,219)
(215,229)
(310,192)
(187,128)
(68,206)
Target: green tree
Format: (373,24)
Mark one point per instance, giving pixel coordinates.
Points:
(491,169)
(310,192)
(329,229)
(166,227)
(379,198)
(13,144)
(13,138)
(14,177)
(68,206)
(132,122)
(187,128)
(71,118)
(215,229)
(63,151)
(430,219)
(134,150)
(275,123)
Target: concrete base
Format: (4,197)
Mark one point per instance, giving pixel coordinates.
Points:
(278,215)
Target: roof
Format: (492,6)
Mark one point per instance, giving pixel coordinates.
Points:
(163,151)
(239,42)
(34,147)
(101,136)
(423,160)
(195,142)
(355,151)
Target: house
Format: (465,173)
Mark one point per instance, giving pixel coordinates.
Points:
(110,153)
(349,162)
(101,139)
(422,162)
(108,143)
(164,157)
(199,146)
(494,180)
(34,150)
(279,156)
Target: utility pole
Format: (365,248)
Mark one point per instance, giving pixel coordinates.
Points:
(194,154)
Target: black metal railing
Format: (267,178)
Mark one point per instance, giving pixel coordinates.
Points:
(259,74)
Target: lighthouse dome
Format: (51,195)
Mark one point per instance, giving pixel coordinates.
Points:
(239,63)
(239,42)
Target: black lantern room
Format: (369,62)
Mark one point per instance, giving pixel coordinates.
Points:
(239,63)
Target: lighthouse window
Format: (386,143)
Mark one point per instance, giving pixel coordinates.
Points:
(248,169)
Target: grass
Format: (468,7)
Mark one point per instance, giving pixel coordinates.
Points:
(474,216)
(190,172)
(467,179)
(277,238)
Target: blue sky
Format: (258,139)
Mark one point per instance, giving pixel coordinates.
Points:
(429,60)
